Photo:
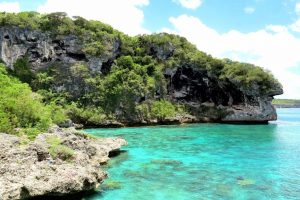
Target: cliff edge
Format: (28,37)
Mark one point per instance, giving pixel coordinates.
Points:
(120,79)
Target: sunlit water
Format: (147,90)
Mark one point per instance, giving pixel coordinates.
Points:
(206,161)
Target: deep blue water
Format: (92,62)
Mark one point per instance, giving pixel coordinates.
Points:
(206,161)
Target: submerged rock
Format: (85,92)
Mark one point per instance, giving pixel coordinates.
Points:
(112,185)
(167,162)
(39,167)
(246,182)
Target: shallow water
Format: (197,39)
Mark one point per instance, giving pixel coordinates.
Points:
(206,161)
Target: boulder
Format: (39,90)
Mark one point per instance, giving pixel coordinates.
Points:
(31,170)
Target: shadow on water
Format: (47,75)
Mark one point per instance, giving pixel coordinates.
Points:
(116,153)
(76,196)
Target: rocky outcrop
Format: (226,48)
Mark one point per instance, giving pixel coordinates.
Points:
(44,50)
(212,99)
(208,97)
(31,170)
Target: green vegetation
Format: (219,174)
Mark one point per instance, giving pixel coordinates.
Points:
(58,150)
(157,109)
(21,110)
(288,102)
(22,70)
(130,87)
(249,75)
(96,36)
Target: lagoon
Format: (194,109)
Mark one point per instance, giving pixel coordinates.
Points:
(206,161)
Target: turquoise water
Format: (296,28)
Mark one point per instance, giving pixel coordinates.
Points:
(206,161)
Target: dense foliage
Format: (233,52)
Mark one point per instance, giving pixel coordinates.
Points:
(133,86)
(21,110)
(96,36)
(247,75)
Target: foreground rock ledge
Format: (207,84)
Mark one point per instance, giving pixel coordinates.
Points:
(29,170)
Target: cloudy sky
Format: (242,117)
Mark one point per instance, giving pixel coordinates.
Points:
(262,32)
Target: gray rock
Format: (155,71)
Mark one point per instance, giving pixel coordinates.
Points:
(44,50)
(208,97)
(211,99)
(29,170)
(66,124)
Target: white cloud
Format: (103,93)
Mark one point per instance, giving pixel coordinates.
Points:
(190,4)
(277,28)
(9,7)
(273,48)
(249,10)
(296,26)
(126,16)
(297,8)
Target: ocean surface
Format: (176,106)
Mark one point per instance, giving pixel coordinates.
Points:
(206,161)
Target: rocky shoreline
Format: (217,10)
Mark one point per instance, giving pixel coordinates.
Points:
(57,163)
(190,119)
(287,106)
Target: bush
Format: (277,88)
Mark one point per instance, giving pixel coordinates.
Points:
(248,75)
(58,150)
(22,70)
(22,108)
(160,110)
(86,115)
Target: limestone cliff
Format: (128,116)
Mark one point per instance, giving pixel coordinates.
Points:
(44,50)
(207,96)
(200,89)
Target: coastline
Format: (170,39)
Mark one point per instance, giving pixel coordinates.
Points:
(162,123)
(189,152)
(58,163)
(287,106)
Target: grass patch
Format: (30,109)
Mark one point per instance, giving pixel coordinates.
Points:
(58,150)
(289,102)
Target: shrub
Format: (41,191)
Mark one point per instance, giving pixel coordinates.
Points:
(22,108)
(160,110)
(58,150)
(248,75)
(22,70)
(86,115)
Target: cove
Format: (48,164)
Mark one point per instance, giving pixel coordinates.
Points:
(206,161)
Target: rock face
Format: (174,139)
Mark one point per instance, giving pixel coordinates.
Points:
(29,170)
(226,100)
(43,50)
(208,98)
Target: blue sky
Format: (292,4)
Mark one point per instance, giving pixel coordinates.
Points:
(219,15)
(223,16)
(263,32)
